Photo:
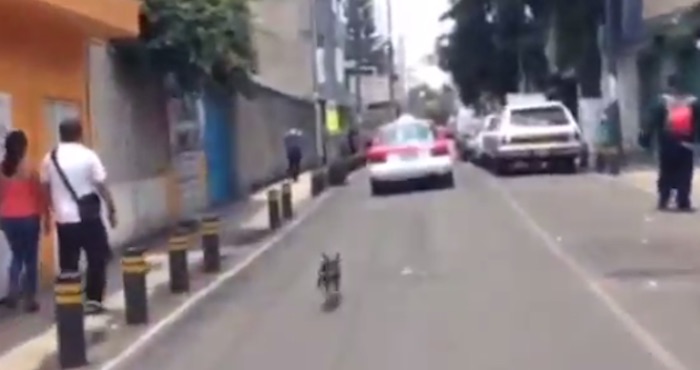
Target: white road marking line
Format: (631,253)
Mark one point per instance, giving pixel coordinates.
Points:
(667,359)
(152,333)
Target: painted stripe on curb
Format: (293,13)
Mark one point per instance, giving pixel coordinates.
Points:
(179,313)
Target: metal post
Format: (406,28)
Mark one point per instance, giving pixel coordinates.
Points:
(273,208)
(357,45)
(315,184)
(211,243)
(177,256)
(70,320)
(287,205)
(134,271)
(318,118)
(390,56)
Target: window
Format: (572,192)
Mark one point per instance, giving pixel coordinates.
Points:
(539,116)
(406,133)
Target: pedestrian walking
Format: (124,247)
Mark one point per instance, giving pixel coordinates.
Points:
(75,178)
(293,144)
(22,207)
(608,138)
(673,122)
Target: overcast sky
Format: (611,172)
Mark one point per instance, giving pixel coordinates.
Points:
(417,21)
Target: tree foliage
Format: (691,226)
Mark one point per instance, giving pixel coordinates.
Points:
(497,44)
(200,39)
(366,46)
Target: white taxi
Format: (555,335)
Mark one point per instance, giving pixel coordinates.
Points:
(409,149)
(539,132)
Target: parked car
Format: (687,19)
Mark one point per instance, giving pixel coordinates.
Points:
(406,150)
(533,133)
(471,139)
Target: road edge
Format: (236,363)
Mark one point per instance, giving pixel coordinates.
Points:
(181,311)
(637,331)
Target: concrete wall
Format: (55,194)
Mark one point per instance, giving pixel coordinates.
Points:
(655,8)
(260,127)
(131,135)
(282,37)
(628,93)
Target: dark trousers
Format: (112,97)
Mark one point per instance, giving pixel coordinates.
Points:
(293,163)
(89,236)
(22,234)
(675,173)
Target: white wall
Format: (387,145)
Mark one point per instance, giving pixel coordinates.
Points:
(142,208)
(628,95)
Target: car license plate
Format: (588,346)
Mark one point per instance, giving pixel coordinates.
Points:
(409,156)
(542,152)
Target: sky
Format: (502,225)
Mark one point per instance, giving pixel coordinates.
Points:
(418,21)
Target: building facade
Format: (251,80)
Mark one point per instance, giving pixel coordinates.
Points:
(646,41)
(44,71)
(284,43)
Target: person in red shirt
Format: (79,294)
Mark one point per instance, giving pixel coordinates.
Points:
(22,207)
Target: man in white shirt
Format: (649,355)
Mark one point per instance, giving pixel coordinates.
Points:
(74,179)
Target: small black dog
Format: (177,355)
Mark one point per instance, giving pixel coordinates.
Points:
(329,275)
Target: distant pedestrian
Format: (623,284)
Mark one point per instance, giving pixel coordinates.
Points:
(673,122)
(608,139)
(353,136)
(22,207)
(76,179)
(293,144)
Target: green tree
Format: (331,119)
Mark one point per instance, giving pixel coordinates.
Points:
(517,37)
(366,46)
(196,40)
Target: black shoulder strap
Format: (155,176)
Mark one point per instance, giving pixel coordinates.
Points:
(63,176)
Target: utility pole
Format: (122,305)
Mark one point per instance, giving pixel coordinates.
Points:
(357,46)
(320,138)
(390,56)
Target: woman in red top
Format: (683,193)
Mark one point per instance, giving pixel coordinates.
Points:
(21,209)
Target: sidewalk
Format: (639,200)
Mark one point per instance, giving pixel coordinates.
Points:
(644,178)
(28,341)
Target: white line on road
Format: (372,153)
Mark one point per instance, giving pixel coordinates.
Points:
(667,359)
(151,334)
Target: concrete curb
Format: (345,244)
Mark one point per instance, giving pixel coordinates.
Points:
(41,350)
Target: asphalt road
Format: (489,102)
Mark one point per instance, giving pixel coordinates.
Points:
(531,272)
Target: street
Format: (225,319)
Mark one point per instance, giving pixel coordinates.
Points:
(546,272)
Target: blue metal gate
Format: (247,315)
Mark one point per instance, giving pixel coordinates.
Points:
(218,147)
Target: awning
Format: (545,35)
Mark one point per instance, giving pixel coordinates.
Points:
(97,18)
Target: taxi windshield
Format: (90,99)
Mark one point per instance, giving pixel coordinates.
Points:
(539,116)
(407,133)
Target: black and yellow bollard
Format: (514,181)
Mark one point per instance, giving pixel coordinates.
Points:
(134,271)
(177,257)
(273,208)
(287,205)
(316,186)
(70,324)
(211,243)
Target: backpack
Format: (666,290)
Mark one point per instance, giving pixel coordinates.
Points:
(679,116)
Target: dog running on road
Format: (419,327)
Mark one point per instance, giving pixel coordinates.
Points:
(329,274)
